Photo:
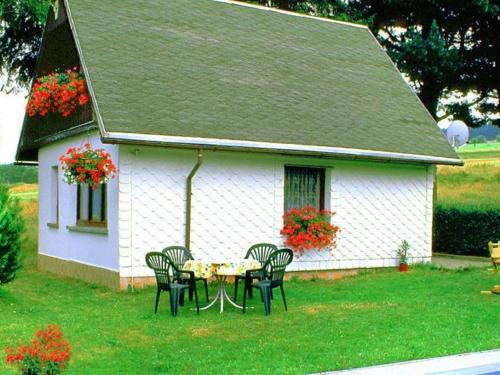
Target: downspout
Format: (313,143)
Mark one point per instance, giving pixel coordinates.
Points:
(189,192)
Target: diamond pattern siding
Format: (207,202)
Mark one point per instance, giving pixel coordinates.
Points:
(238,201)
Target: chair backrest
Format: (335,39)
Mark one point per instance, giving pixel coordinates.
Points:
(494,249)
(179,255)
(276,265)
(261,252)
(161,265)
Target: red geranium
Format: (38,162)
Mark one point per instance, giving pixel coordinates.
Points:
(308,228)
(84,165)
(59,92)
(48,354)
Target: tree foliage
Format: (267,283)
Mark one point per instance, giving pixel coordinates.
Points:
(21,28)
(11,226)
(448,49)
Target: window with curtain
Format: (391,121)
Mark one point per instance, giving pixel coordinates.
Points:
(304,186)
(91,208)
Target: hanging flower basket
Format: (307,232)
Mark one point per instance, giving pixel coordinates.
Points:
(84,165)
(308,228)
(58,92)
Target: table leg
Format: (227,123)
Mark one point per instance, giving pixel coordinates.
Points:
(217,296)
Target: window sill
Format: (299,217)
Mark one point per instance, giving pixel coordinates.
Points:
(85,229)
(53,225)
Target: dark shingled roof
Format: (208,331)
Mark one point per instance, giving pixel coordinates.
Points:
(209,69)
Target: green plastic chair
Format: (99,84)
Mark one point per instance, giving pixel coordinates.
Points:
(164,270)
(274,272)
(260,252)
(179,256)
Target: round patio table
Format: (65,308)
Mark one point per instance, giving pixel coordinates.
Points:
(221,271)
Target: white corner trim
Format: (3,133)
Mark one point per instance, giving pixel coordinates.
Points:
(260,7)
(119,137)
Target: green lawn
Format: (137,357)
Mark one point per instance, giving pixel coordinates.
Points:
(374,318)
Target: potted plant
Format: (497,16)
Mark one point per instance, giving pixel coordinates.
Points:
(58,92)
(402,254)
(85,165)
(309,228)
(47,354)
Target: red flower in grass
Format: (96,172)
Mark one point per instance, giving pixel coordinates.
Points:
(49,353)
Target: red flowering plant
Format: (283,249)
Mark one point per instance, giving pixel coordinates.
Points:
(48,353)
(85,165)
(59,92)
(308,228)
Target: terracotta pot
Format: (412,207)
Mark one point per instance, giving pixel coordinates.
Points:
(403,267)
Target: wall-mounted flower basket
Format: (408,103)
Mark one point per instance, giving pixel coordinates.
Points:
(58,92)
(85,165)
(308,228)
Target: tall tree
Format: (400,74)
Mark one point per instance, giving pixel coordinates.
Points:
(21,28)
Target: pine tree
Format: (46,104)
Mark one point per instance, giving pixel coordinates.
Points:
(11,226)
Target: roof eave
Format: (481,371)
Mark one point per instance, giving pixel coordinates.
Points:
(269,147)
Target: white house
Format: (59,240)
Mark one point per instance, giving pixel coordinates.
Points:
(228,102)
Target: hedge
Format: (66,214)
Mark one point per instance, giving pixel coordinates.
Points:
(465,231)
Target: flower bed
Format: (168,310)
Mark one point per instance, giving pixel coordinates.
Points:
(58,92)
(85,165)
(48,354)
(308,228)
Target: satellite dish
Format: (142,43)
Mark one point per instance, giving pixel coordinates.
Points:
(457,133)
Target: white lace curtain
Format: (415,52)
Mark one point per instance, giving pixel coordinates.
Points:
(303,187)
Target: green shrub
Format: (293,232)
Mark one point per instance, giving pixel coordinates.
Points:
(465,231)
(479,139)
(11,226)
(15,174)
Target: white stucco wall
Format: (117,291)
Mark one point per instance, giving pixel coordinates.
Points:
(238,201)
(99,250)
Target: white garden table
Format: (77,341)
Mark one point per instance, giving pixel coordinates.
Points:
(221,271)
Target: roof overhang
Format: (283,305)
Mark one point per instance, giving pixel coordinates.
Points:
(279,148)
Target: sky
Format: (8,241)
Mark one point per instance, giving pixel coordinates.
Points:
(11,119)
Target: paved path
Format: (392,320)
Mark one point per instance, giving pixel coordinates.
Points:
(457,261)
(482,363)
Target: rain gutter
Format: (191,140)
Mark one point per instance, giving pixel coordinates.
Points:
(189,193)
(270,147)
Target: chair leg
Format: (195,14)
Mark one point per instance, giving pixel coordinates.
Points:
(205,282)
(191,290)
(174,301)
(244,299)
(157,299)
(196,300)
(283,295)
(266,295)
(236,279)
(181,298)
(250,291)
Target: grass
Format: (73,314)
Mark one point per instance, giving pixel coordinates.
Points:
(476,184)
(377,317)
(25,192)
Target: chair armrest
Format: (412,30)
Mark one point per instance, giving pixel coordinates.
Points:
(190,273)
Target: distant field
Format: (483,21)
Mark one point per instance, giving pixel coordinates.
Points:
(477,184)
(25,192)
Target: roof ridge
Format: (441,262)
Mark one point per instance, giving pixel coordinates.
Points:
(290,13)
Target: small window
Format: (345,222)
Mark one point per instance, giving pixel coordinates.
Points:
(54,196)
(304,187)
(91,208)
